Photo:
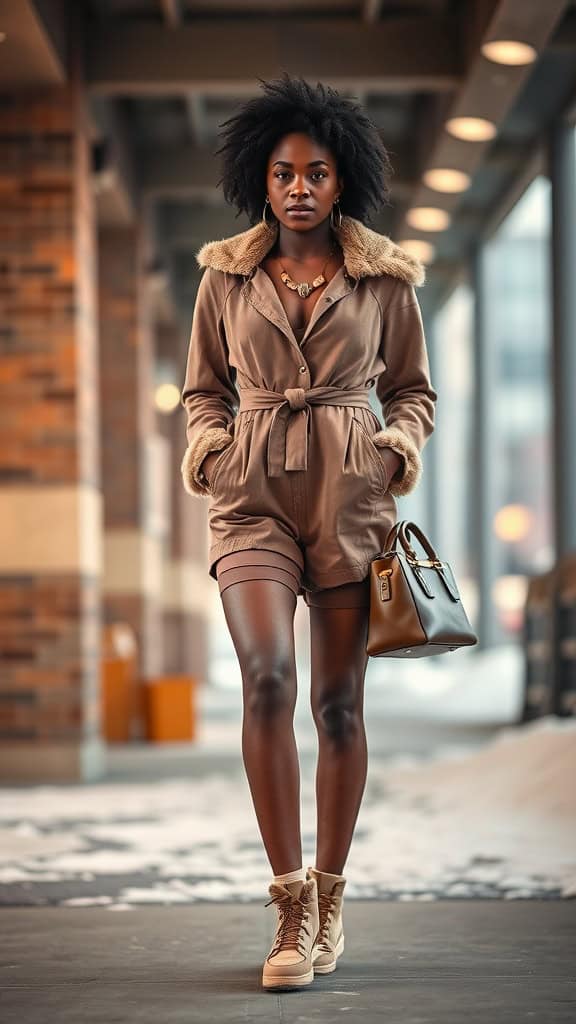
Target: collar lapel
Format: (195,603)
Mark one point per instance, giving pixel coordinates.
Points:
(339,286)
(260,291)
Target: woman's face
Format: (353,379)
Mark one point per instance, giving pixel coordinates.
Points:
(301,172)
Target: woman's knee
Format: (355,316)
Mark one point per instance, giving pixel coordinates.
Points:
(338,715)
(270,690)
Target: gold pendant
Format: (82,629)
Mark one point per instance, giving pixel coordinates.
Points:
(304,289)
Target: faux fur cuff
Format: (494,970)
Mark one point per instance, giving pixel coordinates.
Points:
(212,440)
(393,437)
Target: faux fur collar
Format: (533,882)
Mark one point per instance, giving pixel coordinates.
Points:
(366,252)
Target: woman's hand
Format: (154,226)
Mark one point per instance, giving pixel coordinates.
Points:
(392,462)
(207,463)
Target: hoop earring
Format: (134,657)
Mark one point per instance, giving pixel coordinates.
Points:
(338,223)
(264,218)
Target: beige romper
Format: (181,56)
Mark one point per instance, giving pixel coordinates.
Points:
(300,472)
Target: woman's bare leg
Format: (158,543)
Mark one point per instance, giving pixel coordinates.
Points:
(260,617)
(338,668)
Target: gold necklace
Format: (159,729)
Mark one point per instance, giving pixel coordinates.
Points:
(305,288)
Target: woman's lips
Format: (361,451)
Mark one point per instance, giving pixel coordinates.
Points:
(300,213)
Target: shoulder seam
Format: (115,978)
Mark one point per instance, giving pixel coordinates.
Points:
(228,285)
(379,304)
(398,282)
(233,284)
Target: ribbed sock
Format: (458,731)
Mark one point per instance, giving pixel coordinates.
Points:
(291,876)
(328,874)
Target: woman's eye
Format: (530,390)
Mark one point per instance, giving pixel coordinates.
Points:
(282,174)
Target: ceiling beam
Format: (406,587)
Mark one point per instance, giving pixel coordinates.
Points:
(225,57)
(564,39)
(34,52)
(489,91)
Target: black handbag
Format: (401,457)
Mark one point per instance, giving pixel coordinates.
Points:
(415,606)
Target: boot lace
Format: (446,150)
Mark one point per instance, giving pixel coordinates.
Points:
(326,907)
(293,912)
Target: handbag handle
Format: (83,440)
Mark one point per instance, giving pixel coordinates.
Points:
(407,528)
(390,541)
(402,529)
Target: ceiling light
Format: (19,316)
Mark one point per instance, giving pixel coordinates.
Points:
(428,218)
(446,179)
(2,37)
(471,129)
(509,51)
(417,247)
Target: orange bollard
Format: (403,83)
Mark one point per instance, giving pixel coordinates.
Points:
(117,671)
(170,703)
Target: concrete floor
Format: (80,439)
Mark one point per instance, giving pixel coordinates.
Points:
(174,826)
(412,963)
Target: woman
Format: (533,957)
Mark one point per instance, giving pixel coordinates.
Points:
(296,319)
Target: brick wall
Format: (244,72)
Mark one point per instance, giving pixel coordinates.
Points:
(49,461)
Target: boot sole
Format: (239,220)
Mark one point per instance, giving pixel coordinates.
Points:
(328,968)
(290,981)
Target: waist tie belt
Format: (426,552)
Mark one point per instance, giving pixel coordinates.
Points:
(288,437)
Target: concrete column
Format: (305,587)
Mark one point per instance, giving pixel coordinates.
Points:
(484,499)
(131,452)
(434,484)
(50,499)
(562,155)
(562,164)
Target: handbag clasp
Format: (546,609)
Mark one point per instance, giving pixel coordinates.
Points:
(384,577)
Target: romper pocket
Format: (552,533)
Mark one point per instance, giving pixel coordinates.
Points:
(219,462)
(240,423)
(372,451)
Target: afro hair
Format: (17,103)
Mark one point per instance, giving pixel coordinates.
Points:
(293,105)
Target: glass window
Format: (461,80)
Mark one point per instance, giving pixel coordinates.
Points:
(453,351)
(517,289)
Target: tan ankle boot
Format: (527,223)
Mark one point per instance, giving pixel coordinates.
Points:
(329,942)
(289,962)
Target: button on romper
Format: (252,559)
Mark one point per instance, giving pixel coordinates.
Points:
(300,474)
